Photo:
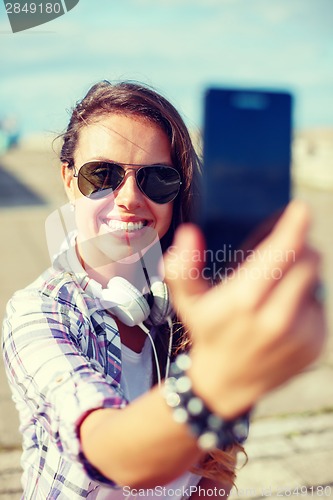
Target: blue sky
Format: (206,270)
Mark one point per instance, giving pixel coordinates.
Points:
(178,46)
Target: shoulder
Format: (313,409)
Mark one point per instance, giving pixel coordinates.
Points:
(53,290)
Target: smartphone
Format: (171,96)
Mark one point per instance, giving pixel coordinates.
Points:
(246,171)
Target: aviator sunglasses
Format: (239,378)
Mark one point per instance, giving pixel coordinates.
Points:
(159,183)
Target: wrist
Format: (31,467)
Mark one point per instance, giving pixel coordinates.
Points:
(211,430)
(223,390)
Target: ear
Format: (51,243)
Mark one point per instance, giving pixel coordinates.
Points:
(67,175)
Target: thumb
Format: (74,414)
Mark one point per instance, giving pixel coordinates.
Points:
(184,268)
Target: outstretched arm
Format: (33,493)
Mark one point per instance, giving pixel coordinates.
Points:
(249,336)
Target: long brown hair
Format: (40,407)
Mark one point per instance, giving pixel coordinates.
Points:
(134,99)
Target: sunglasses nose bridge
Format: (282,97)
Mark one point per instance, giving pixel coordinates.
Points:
(129,185)
(125,175)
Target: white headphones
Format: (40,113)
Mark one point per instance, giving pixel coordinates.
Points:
(133,308)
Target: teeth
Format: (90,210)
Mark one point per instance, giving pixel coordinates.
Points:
(118,225)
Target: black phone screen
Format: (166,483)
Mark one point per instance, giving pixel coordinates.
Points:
(246,173)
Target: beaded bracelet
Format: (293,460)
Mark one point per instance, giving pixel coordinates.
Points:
(211,430)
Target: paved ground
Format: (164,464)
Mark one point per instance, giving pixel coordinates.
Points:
(290,449)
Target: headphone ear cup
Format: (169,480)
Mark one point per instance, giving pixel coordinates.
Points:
(161,307)
(125,301)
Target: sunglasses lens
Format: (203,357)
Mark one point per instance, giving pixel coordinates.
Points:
(97,179)
(159,183)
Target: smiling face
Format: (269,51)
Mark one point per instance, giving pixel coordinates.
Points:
(117,226)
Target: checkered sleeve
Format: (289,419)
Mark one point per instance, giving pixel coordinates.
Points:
(50,371)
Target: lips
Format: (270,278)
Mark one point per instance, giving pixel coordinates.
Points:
(130,227)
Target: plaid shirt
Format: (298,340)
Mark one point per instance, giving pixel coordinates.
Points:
(62,355)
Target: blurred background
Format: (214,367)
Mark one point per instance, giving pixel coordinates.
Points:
(179,47)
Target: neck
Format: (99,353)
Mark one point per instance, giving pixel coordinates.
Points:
(134,273)
(138,269)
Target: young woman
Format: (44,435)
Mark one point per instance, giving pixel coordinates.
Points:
(76,349)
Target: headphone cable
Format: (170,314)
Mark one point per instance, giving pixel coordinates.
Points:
(167,368)
(158,371)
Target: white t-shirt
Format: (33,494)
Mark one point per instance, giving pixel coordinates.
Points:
(136,375)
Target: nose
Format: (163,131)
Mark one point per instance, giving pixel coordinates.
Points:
(128,195)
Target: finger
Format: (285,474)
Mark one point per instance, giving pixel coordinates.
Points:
(183,264)
(295,289)
(300,347)
(272,258)
(290,327)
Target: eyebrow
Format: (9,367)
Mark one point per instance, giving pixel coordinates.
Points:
(108,160)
